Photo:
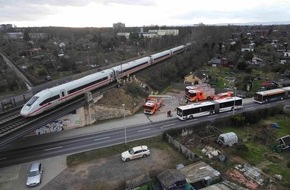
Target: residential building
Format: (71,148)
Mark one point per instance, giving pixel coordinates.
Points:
(5,26)
(38,36)
(149,34)
(216,61)
(173,32)
(13,35)
(125,34)
(118,25)
(195,78)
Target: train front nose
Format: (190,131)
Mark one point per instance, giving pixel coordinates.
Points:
(25,111)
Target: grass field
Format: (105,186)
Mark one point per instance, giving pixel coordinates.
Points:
(260,153)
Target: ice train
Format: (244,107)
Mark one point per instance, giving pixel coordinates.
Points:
(51,97)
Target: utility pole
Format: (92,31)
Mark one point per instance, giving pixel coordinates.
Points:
(124,106)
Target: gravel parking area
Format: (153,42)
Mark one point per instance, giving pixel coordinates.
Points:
(111,172)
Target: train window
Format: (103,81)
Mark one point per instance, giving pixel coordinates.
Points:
(32,100)
(49,100)
(135,66)
(87,85)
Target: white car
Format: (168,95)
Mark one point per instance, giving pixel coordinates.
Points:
(136,152)
(34,175)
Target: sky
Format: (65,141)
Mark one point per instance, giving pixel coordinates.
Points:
(103,13)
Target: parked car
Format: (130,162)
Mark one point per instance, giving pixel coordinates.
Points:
(34,175)
(136,152)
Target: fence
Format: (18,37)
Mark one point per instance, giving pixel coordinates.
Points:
(182,149)
(11,102)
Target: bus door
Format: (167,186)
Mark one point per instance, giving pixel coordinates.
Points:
(216,107)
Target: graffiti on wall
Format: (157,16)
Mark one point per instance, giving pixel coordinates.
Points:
(52,127)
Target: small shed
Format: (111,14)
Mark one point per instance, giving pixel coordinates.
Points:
(224,185)
(172,179)
(216,61)
(195,78)
(200,174)
(284,142)
(228,139)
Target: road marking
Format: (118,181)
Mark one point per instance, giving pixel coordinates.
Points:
(3,158)
(48,149)
(144,130)
(103,138)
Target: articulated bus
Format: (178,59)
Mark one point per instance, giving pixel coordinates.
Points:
(272,95)
(228,104)
(208,108)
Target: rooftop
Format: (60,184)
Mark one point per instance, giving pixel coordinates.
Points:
(199,171)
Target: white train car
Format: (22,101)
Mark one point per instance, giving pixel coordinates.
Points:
(157,57)
(131,67)
(49,98)
(177,50)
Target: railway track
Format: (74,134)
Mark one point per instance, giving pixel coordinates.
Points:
(12,123)
(15,121)
(11,113)
(9,120)
(6,118)
(14,126)
(12,129)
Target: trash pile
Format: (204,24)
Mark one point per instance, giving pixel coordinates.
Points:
(210,152)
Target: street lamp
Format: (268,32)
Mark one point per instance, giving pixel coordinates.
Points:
(235,88)
(124,106)
(88,59)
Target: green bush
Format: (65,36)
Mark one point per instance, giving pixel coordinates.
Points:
(288,164)
(251,117)
(135,90)
(220,122)
(238,120)
(41,72)
(241,149)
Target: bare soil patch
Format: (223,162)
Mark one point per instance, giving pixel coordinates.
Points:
(110,172)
